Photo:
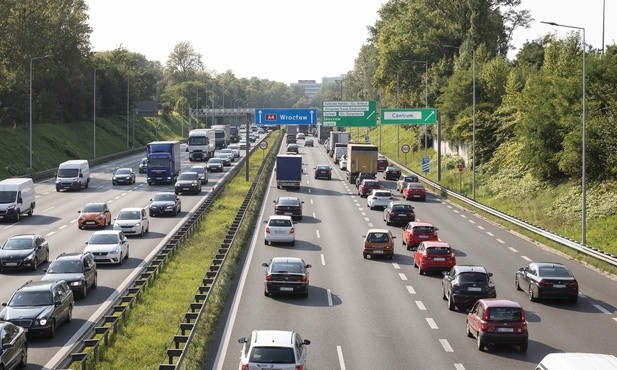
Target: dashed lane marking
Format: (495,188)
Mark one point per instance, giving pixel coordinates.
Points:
(410,289)
(431,323)
(421,305)
(396,265)
(446,346)
(463,216)
(471,221)
(317,232)
(480,227)
(323,260)
(47,209)
(329,297)
(459,366)
(602,309)
(490,233)
(341,360)
(526,258)
(366,219)
(311,201)
(501,241)
(513,249)
(402,276)
(62,227)
(50,233)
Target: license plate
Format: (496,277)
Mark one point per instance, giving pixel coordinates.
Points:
(423,236)
(402,214)
(185,188)
(377,251)
(10,264)
(559,286)
(279,232)
(288,213)
(474,289)
(505,330)
(439,259)
(91,223)
(416,196)
(286,289)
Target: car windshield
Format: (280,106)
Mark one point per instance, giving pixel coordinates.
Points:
(199,170)
(8,196)
(554,271)
(123,171)
(214,161)
(288,202)
(423,229)
(164,198)
(93,208)
(377,238)
(103,239)
(187,176)
(323,167)
(15,244)
(25,298)
(442,251)
(280,222)
(129,215)
(65,267)
(504,314)
(382,194)
(473,277)
(402,208)
(287,267)
(68,172)
(272,355)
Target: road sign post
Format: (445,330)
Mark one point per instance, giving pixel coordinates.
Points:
(425,165)
(349,113)
(263,145)
(405,149)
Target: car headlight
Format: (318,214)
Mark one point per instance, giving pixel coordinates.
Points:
(81,218)
(169,206)
(30,257)
(116,251)
(12,206)
(76,283)
(194,184)
(43,321)
(137,224)
(100,217)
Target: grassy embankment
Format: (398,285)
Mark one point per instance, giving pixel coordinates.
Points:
(151,325)
(503,184)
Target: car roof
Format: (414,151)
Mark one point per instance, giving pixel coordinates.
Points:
(288,259)
(494,302)
(289,198)
(469,268)
(71,256)
(164,192)
(125,168)
(420,223)
(201,166)
(24,236)
(435,243)
(101,203)
(548,264)
(279,217)
(131,209)
(271,338)
(378,231)
(38,284)
(107,232)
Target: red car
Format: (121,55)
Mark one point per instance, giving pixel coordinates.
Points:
(414,190)
(367,185)
(382,164)
(417,232)
(497,321)
(433,255)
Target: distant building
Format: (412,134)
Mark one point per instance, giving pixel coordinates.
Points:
(311,87)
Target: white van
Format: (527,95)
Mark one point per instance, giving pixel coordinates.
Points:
(577,361)
(73,175)
(16,198)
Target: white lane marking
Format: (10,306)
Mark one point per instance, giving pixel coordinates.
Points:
(329,297)
(402,276)
(370,224)
(395,265)
(311,201)
(459,366)
(317,232)
(463,216)
(501,241)
(513,249)
(421,305)
(456,211)
(50,233)
(323,260)
(363,213)
(62,227)
(314,215)
(341,360)
(309,190)
(471,221)
(410,289)
(602,309)
(526,258)
(47,209)
(480,227)
(354,198)
(366,219)
(431,323)
(446,346)
(490,233)
(615,318)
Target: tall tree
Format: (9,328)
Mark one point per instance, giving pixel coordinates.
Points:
(183,63)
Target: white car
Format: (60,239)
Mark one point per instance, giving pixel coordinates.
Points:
(379,198)
(230,153)
(269,349)
(235,148)
(132,221)
(280,229)
(342,164)
(242,144)
(108,246)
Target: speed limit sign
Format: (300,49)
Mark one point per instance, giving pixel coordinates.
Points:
(263,145)
(405,148)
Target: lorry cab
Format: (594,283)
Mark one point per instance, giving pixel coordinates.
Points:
(16,198)
(73,175)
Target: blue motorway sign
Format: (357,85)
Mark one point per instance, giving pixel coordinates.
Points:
(288,116)
(426,165)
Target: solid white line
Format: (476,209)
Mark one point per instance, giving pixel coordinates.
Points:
(341,360)
(513,249)
(602,309)
(402,276)
(410,289)
(395,265)
(323,260)
(446,346)
(431,323)
(501,241)
(421,305)
(317,232)
(480,227)
(459,367)
(526,258)
(329,297)
(490,233)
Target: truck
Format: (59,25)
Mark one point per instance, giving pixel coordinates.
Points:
(73,174)
(234,134)
(336,137)
(163,162)
(199,146)
(361,158)
(323,132)
(17,198)
(221,136)
(288,171)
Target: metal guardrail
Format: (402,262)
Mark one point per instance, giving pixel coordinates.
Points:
(567,242)
(87,349)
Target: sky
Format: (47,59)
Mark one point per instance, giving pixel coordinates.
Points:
(291,40)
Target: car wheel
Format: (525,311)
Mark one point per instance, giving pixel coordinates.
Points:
(113,183)
(127,253)
(69,316)
(518,287)
(532,297)
(444,294)
(391,256)
(18,215)
(420,271)
(364,255)
(141,233)
(450,303)
(523,346)
(84,290)
(35,264)
(23,357)
(95,283)
(305,294)
(30,211)
(266,293)
(414,262)
(481,343)
(52,329)
(469,334)
(573,299)
(293,242)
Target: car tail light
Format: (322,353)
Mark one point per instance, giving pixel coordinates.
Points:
(245,367)
(268,277)
(304,278)
(543,283)
(299,367)
(292,230)
(392,213)
(268,229)
(573,284)
(455,286)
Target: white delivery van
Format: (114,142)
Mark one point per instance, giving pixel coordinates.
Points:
(16,198)
(577,361)
(73,175)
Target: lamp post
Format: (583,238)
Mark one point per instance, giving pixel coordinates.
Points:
(473,134)
(30,142)
(128,96)
(94,115)
(583,182)
(425,97)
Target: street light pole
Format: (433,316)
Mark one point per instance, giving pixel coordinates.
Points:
(30,98)
(94,115)
(128,94)
(583,170)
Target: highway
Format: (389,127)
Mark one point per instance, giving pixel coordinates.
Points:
(381,314)
(55,217)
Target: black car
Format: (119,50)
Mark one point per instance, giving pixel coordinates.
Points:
(164,203)
(123,176)
(364,175)
(392,173)
(202,172)
(289,206)
(463,285)
(215,165)
(143,165)
(77,269)
(24,251)
(398,213)
(188,182)
(286,275)
(40,306)
(547,280)
(323,171)
(13,346)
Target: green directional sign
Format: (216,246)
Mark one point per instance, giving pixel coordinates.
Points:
(412,116)
(349,113)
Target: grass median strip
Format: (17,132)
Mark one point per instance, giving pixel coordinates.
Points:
(143,340)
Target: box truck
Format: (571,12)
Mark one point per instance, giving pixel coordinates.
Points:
(288,171)
(361,158)
(199,146)
(17,198)
(73,175)
(163,162)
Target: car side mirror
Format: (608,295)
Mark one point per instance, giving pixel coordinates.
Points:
(274,201)
(444,273)
(522,269)
(4,304)
(308,266)
(242,340)
(306,342)
(58,302)
(86,242)
(394,237)
(490,274)
(264,264)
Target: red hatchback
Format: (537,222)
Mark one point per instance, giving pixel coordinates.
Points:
(414,190)
(417,232)
(497,321)
(433,255)
(367,185)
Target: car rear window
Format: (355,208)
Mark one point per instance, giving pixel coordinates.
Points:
(383,194)
(282,223)
(438,250)
(289,267)
(504,314)
(473,277)
(555,271)
(402,208)
(288,202)
(377,238)
(272,355)
(372,184)
(423,229)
